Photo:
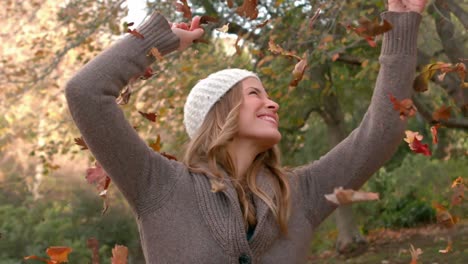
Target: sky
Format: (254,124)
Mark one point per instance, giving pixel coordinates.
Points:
(136,11)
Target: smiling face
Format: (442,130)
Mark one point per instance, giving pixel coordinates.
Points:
(258,115)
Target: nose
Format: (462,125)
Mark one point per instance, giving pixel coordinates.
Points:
(272,105)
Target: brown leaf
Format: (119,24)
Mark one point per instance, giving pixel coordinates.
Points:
(156,145)
(458,188)
(93,244)
(314,18)
(405,107)
(101,180)
(135,33)
(335,56)
(236,45)
(207,19)
(168,156)
(443,113)
(248,9)
(342,196)
(150,116)
(230,4)
(261,25)
(414,142)
(421,82)
(184,8)
(369,29)
(119,255)
(443,216)
(434,133)
(80,142)
(298,71)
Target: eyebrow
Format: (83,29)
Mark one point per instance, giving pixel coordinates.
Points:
(259,91)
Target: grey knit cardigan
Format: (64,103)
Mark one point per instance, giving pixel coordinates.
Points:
(180,220)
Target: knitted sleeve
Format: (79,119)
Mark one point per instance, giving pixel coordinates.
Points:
(91,95)
(373,142)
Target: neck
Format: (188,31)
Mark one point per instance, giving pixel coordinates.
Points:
(243,154)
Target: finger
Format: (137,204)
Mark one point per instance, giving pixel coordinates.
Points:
(195,23)
(197,33)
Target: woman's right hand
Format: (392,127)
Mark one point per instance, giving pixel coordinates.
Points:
(187,33)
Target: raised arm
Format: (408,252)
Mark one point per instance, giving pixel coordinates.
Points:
(91,95)
(373,142)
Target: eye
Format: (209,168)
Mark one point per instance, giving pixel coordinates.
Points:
(253,92)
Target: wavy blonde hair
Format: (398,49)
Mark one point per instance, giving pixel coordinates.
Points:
(207,153)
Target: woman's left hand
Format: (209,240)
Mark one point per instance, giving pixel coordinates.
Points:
(407,5)
(187,33)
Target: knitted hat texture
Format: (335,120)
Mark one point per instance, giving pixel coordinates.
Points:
(206,93)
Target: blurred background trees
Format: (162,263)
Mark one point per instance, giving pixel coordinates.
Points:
(45,41)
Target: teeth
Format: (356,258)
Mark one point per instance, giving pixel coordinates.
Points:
(268,118)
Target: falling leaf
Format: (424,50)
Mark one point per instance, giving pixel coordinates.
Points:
(442,113)
(101,180)
(150,116)
(155,53)
(156,145)
(298,71)
(335,56)
(57,255)
(135,33)
(434,133)
(184,8)
(448,248)
(80,142)
(443,216)
(421,82)
(261,25)
(217,185)
(458,188)
(224,28)
(148,73)
(405,107)
(314,18)
(168,156)
(93,244)
(415,254)
(126,26)
(207,19)
(230,4)
(248,9)
(236,45)
(278,50)
(119,255)
(414,142)
(342,196)
(369,29)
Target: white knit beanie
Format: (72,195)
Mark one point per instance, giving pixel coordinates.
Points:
(206,93)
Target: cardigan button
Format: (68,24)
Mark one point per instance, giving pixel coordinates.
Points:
(244,259)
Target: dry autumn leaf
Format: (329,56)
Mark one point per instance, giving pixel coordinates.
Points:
(444,218)
(314,18)
(57,255)
(135,33)
(184,8)
(264,23)
(443,113)
(150,116)
(448,248)
(415,254)
(414,142)
(156,54)
(298,71)
(369,29)
(434,132)
(342,196)
(458,187)
(119,255)
(156,145)
(421,82)
(101,180)
(93,244)
(224,28)
(217,185)
(405,107)
(80,142)
(207,19)
(248,9)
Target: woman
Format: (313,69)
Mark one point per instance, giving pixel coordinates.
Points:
(230,201)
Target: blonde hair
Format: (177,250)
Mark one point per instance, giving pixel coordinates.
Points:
(207,152)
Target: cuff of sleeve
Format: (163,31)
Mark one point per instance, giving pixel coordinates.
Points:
(157,33)
(403,37)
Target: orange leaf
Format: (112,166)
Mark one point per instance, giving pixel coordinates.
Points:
(155,53)
(150,116)
(262,24)
(369,29)
(184,8)
(248,9)
(458,191)
(99,177)
(156,145)
(443,216)
(442,113)
(135,33)
(341,196)
(119,255)
(93,245)
(168,156)
(335,56)
(80,142)
(59,254)
(405,107)
(278,50)
(148,73)
(415,254)
(39,258)
(434,133)
(448,248)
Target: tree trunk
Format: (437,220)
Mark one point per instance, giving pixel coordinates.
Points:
(350,242)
